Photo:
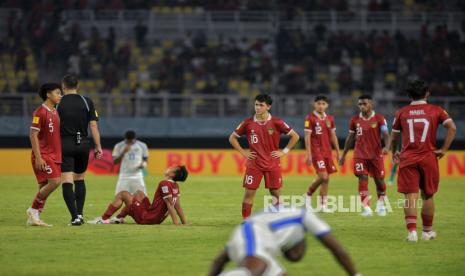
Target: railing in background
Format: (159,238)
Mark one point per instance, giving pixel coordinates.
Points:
(255,23)
(218,105)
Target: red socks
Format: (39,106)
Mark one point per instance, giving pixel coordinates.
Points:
(246,210)
(109,212)
(381,191)
(124,212)
(427,222)
(39,202)
(363,191)
(311,190)
(411,222)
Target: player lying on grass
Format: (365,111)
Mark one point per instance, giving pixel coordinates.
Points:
(255,243)
(46,149)
(165,201)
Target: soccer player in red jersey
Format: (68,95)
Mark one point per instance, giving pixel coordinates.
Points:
(320,133)
(165,202)
(365,130)
(46,149)
(418,123)
(263,133)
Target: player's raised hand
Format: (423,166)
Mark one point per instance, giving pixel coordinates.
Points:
(40,164)
(250,155)
(396,157)
(385,151)
(126,148)
(439,153)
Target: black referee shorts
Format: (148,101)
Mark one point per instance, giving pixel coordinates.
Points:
(75,158)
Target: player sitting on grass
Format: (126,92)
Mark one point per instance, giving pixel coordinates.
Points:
(166,201)
(254,244)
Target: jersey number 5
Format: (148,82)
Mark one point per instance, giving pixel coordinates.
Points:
(411,131)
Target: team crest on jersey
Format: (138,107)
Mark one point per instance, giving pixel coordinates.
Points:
(374,125)
(328,123)
(270,131)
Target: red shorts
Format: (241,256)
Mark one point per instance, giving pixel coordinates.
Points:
(53,170)
(139,209)
(253,177)
(324,164)
(422,175)
(372,167)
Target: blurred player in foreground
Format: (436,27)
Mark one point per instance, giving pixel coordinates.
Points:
(256,242)
(133,156)
(46,149)
(165,202)
(418,123)
(365,130)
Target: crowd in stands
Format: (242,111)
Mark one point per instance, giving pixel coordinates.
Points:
(291,62)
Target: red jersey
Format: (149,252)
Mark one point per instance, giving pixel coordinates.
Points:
(368,135)
(158,211)
(418,124)
(263,138)
(320,129)
(47,122)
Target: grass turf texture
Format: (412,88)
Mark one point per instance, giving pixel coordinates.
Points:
(212,205)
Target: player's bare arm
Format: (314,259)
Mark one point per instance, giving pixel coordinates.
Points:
(394,142)
(220,261)
(450,135)
(180,212)
(349,143)
(39,162)
(294,139)
(308,147)
(144,163)
(335,143)
(250,155)
(171,210)
(386,140)
(339,253)
(96,137)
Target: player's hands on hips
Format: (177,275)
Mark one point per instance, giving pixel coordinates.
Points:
(277,154)
(396,157)
(250,155)
(98,152)
(40,164)
(440,153)
(385,151)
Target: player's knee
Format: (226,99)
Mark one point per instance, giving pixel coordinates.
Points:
(324,178)
(425,196)
(363,177)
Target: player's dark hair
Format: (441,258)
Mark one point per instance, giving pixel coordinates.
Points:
(321,98)
(130,135)
(181,174)
(365,97)
(264,98)
(46,88)
(70,81)
(416,89)
(296,252)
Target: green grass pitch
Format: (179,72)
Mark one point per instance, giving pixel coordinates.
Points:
(212,205)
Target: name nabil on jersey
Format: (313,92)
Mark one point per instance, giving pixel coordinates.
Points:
(417,112)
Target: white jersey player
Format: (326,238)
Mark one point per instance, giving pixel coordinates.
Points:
(133,155)
(256,242)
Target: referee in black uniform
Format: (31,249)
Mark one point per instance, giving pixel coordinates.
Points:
(77,113)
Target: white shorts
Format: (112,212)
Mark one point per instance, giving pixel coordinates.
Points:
(130,184)
(249,239)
